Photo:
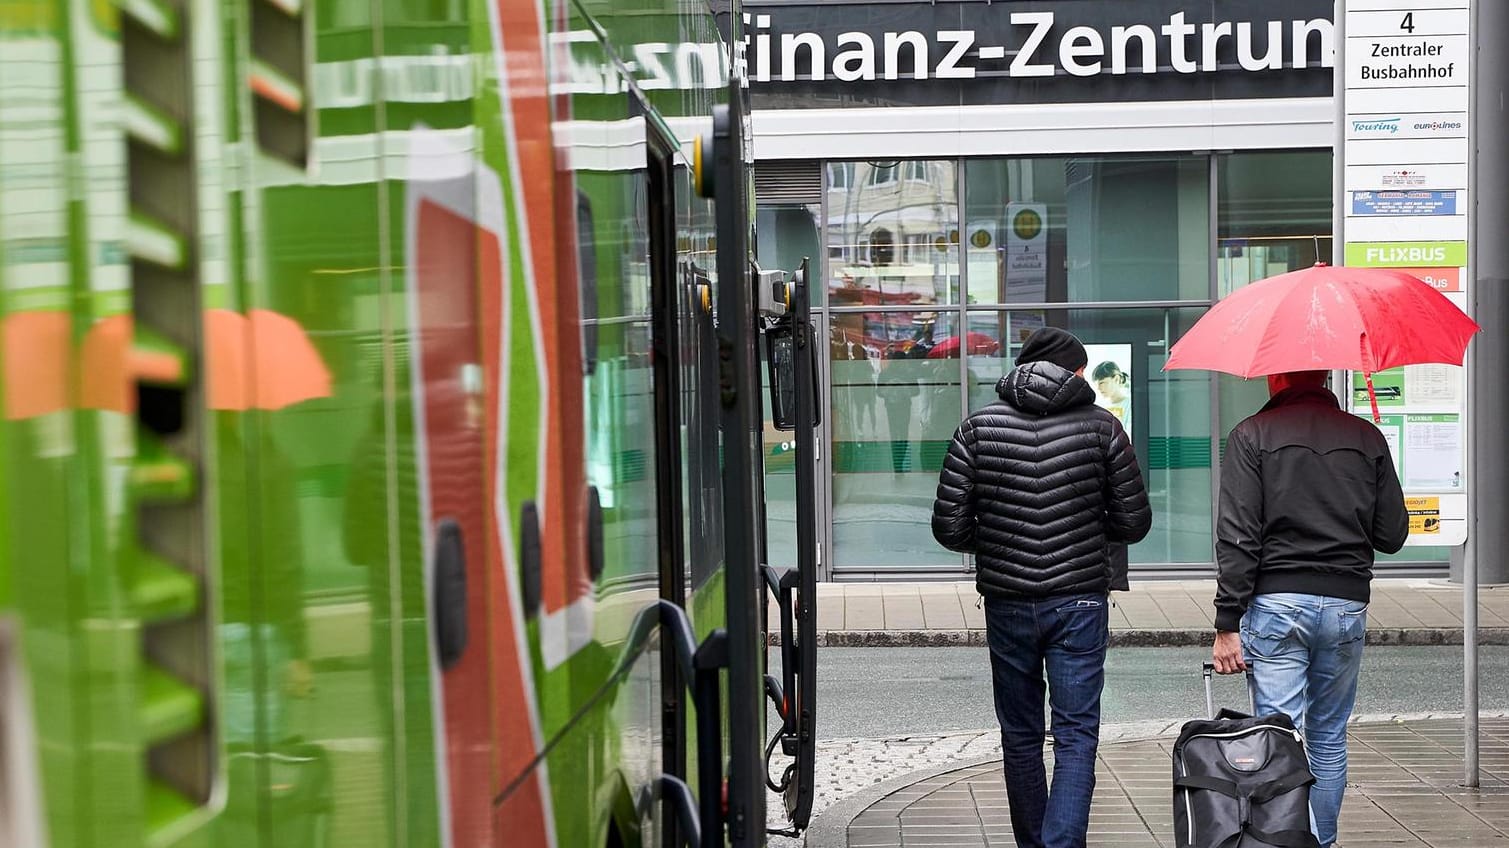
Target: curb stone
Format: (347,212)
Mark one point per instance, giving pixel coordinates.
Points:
(1169,638)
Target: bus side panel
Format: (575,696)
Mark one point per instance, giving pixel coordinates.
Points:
(446,345)
(594,417)
(346,733)
(38,584)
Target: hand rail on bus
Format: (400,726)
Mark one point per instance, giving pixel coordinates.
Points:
(781,582)
(776,689)
(674,790)
(699,665)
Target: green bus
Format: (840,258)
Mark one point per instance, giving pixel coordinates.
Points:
(380,424)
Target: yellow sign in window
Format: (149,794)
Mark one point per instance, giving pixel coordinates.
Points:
(1424,515)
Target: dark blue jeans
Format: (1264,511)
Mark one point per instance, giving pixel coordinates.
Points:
(1067,635)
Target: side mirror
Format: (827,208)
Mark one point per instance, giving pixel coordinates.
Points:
(780,357)
(788,345)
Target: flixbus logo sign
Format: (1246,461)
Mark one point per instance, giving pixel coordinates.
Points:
(1407,254)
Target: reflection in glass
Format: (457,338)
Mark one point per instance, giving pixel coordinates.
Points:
(785,234)
(893,237)
(894,409)
(1168,413)
(1273,214)
(1087,228)
(618,394)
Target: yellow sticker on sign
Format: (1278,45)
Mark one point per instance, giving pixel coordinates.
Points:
(1424,515)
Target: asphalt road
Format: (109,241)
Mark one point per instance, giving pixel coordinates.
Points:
(869,692)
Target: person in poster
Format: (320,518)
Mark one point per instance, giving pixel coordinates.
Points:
(1111,379)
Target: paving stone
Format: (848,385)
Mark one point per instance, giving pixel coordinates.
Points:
(942,611)
(1403,791)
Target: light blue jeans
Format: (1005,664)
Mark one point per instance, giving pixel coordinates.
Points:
(1305,652)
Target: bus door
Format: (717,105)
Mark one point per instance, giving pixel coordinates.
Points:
(770,303)
(792,361)
(685,437)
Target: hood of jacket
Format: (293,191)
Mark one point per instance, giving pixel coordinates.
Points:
(1042,388)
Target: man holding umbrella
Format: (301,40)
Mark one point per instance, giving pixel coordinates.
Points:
(1308,492)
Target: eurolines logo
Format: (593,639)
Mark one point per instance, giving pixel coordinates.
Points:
(1382,126)
(1439,126)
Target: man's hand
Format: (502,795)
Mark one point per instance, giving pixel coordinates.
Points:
(1227,653)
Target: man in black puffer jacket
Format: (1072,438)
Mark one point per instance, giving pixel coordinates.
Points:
(1040,487)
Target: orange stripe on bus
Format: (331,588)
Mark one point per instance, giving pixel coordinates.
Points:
(265,88)
(156,367)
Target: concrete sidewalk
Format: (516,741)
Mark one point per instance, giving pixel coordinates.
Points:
(1404,789)
(1169,613)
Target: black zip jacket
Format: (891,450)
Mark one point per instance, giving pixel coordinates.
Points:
(1308,492)
(1039,486)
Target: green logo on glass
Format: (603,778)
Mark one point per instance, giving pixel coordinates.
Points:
(1407,254)
(1027,224)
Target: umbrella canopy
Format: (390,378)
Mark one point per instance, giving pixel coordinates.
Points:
(262,360)
(112,361)
(979,345)
(1323,318)
(1358,319)
(35,347)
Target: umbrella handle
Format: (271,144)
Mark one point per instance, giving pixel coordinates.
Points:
(1367,375)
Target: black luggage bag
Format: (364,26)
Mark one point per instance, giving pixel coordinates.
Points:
(1241,781)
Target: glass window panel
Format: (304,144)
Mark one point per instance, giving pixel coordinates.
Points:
(1273,214)
(701,437)
(618,396)
(892,240)
(785,234)
(1087,228)
(894,409)
(1166,414)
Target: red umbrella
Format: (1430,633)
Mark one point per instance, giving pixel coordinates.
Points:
(979,345)
(1321,318)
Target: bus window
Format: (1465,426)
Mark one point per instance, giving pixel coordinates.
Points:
(586,269)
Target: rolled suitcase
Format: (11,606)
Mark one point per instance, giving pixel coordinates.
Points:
(1241,780)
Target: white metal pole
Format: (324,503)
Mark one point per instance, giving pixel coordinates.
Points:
(1470,731)
(1339,382)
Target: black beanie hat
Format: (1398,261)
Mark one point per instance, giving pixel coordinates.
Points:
(1050,344)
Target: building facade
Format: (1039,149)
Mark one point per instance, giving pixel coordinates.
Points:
(963,173)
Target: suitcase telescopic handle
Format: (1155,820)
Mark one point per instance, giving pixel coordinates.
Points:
(1209,669)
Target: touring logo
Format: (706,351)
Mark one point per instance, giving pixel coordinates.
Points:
(1383,126)
(1437,125)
